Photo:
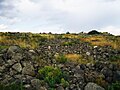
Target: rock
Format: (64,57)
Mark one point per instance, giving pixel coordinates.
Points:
(28,70)
(36,84)
(93,86)
(17,57)
(13,72)
(14,49)
(2,68)
(17,67)
(11,62)
(107,72)
(95,46)
(27,87)
(60,88)
(31,51)
(117,76)
(88,53)
(72,86)
(83,66)
(14,52)
(1,59)
(43,88)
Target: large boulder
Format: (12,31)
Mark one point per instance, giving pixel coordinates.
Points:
(93,86)
(13,51)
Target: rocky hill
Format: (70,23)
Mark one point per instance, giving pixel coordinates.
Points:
(59,61)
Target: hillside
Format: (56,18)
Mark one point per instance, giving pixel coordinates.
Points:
(68,61)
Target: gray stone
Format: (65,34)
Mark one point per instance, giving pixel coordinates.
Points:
(28,70)
(43,88)
(17,67)
(17,57)
(12,72)
(36,84)
(28,87)
(11,62)
(13,49)
(88,53)
(2,68)
(59,88)
(93,86)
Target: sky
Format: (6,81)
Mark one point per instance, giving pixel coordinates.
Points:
(60,16)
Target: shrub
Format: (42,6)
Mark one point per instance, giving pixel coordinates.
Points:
(12,86)
(114,86)
(52,75)
(61,58)
(64,83)
(93,32)
(115,57)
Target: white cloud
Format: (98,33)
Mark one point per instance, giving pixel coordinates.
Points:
(111,29)
(63,15)
(3,27)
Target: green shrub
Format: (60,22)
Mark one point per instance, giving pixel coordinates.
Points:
(115,57)
(114,86)
(52,75)
(64,83)
(61,58)
(12,86)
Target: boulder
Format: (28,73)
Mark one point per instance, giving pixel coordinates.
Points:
(60,88)
(36,84)
(28,70)
(93,86)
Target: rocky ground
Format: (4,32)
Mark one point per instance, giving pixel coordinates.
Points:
(22,65)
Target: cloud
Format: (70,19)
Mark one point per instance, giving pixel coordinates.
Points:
(3,27)
(111,29)
(62,15)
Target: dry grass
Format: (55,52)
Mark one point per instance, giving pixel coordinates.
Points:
(70,36)
(102,41)
(77,58)
(9,40)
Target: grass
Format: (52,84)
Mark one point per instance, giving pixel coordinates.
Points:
(61,58)
(3,47)
(99,40)
(77,58)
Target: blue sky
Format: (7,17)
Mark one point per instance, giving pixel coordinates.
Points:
(59,16)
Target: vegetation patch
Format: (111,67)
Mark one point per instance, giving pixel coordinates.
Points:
(12,86)
(114,86)
(61,58)
(53,76)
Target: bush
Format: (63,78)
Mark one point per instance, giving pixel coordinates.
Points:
(51,75)
(13,86)
(114,86)
(61,58)
(93,32)
(115,57)
(64,83)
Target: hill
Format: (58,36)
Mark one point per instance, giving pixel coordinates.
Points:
(68,61)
